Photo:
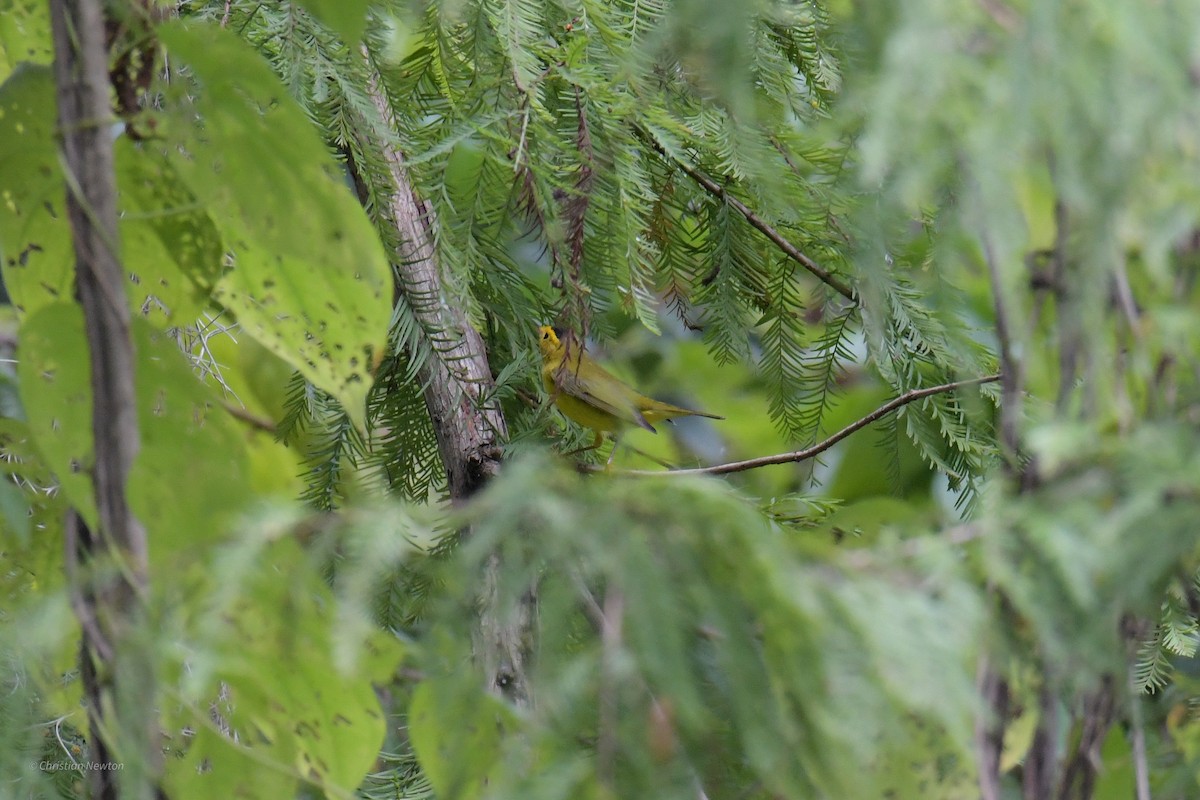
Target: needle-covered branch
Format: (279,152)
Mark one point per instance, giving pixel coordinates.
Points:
(758,223)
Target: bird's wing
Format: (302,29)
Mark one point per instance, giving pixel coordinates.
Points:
(609,398)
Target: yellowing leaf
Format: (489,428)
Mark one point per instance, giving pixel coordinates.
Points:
(35,240)
(189,476)
(311,280)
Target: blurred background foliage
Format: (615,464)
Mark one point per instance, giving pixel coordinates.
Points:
(992,590)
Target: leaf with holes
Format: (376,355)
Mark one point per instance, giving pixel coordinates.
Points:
(24,35)
(172,250)
(311,279)
(35,240)
(187,439)
(457,730)
(56,391)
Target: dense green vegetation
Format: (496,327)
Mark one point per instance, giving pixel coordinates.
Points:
(342,222)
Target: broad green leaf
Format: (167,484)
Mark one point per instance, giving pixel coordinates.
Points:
(920,760)
(35,240)
(216,766)
(30,519)
(457,730)
(24,34)
(311,278)
(308,721)
(171,250)
(347,17)
(14,513)
(187,439)
(171,247)
(55,377)
(310,317)
(1118,778)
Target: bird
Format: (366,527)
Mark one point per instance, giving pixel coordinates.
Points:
(589,394)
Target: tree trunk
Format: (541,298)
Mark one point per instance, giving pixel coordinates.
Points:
(456,380)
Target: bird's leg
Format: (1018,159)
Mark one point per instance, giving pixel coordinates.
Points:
(655,459)
(613,453)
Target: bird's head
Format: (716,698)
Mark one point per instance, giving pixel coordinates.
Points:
(549,341)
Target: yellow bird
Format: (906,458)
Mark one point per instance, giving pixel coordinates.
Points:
(589,394)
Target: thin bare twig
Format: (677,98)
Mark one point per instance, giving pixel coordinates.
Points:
(1141,767)
(757,222)
(610,639)
(989,731)
(1010,370)
(63,745)
(249,417)
(1001,14)
(817,449)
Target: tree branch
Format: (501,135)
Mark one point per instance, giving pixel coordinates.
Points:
(757,222)
(817,449)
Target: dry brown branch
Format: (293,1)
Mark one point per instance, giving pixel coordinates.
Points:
(250,418)
(809,452)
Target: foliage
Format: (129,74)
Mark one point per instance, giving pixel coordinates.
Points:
(792,211)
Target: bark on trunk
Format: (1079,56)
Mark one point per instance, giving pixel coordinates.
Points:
(456,381)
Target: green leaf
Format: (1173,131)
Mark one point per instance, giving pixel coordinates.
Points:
(347,17)
(311,280)
(456,730)
(171,248)
(14,512)
(24,35)
(1118,778)
(187,439)
(309,721)
(216,766)
(55,379)
(35,240)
